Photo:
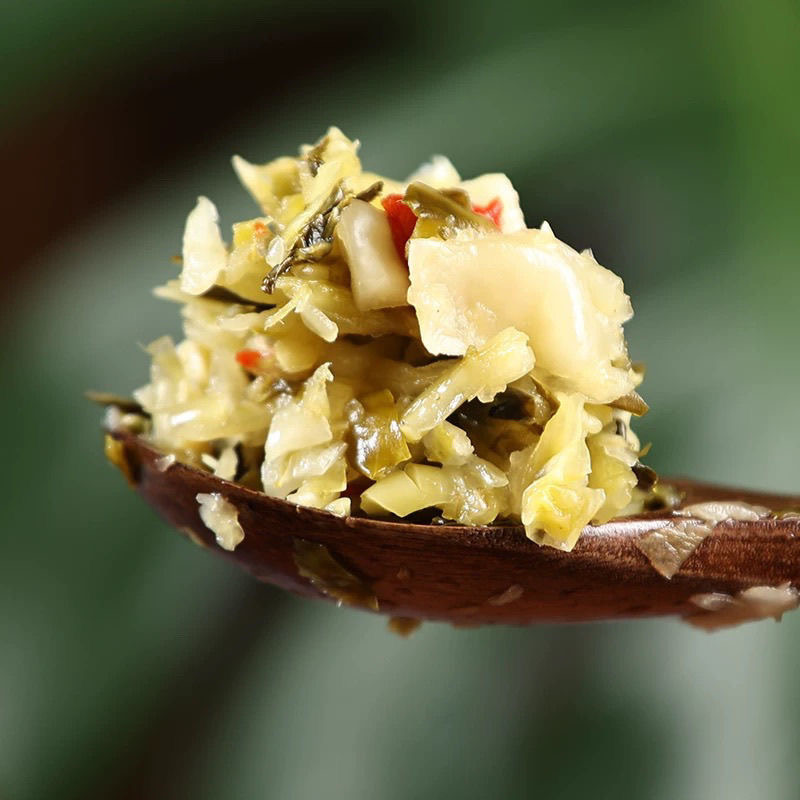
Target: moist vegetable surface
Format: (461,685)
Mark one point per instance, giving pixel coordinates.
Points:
(406,349)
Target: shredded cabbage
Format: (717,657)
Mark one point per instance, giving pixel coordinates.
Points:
(550,480)
(481,373)
(371,346)
(221,517)
(204,253)
(448,445)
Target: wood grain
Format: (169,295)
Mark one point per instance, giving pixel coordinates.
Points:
(463,575)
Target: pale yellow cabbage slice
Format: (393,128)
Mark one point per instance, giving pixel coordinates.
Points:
(613,457)
(300,453)
(221,518)
(485,188)
(315,476)
(549,482)
(297,349)
(270,184)
(473,493)
(398,494)
(448,445)
(481,373)
(378,276)
(204,253)
(301,301)
(340,506)
(439,172)
(572,309)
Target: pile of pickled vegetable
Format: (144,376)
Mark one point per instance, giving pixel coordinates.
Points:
(399,349)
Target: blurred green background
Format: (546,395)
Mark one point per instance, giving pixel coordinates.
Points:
(664,136)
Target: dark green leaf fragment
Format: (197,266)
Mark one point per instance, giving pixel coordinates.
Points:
(371,192)
(227,296)
(443,213)
(663,496)
(315,156)
(507,405)
(125,460)
(315,563)
(315,239)
(125,404)
(632,402)
(646,476)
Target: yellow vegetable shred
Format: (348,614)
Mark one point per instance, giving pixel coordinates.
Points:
(365,345)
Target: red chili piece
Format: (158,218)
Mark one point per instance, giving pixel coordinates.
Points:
(248,358)
(493,210)
(401,221)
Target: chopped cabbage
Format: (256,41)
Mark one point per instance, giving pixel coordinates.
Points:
(273,186)
(378,276)
(550,481)
(304,422)
(448,445)
(378,443)
(400,495)
(429,355)
(486,188)
(465,291)
(302,461)
(221,517)
(439,172)
(204,253)
(613,456)
(472,494)
(482,373)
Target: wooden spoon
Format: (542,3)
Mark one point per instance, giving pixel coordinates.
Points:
(475,575)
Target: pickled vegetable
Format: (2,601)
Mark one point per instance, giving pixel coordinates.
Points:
(373,346)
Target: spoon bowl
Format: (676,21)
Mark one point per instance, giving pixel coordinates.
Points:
(475,575)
